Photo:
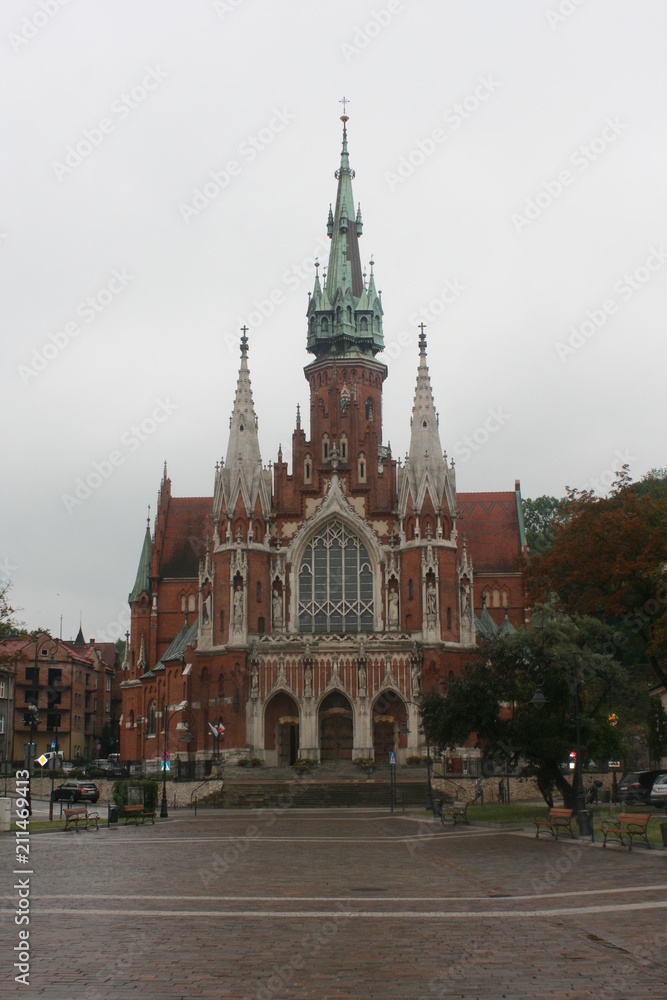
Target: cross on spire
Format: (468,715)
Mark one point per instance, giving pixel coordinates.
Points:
(344,101)
(422,338)
(244,341)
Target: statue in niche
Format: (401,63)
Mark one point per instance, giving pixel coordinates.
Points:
(206,610)
(393,609)
(416,685)
(308,681)
(430,600)
(277,605)
(238,608)
(361,679)
(465,596)
(254,681)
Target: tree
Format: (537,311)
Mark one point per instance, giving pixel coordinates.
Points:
(8,627)
(539,518)
(492,701)
(609,559)
(656,730)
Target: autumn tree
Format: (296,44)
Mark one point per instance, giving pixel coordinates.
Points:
(608,558)
(494,700)
(539,518)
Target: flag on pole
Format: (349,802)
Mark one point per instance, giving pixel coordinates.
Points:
(217,730)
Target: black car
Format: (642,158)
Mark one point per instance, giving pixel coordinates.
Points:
(77,791)
(635,787)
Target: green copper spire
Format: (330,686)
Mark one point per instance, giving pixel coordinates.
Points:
(142,585)
(344,316)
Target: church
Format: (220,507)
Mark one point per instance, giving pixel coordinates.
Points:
(306,609)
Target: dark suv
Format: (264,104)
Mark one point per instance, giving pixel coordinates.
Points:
(635,787)
(77,791)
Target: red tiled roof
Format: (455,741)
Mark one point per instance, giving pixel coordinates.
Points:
(491,525)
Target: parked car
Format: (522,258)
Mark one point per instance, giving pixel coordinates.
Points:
(77,791)
(67,766)
(635,787)
(659,791)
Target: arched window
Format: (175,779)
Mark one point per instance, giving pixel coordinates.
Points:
(335,583)
(449,617)
(221,686)
(151,720)
(349,314)
(505,599)
(325,447)
(362,468)
(259,592)
(496,598)
(339,315)
(364,324)
(307,470)
(369,409)
(343,447)
(324,327)
(191,602)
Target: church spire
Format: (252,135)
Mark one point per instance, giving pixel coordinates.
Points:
(142,584)
(242,474)
(344,316)
(425,468)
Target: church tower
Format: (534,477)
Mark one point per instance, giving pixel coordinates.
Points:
(307,608)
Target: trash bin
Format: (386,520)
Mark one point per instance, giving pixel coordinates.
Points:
(585,820)
(112,816)
(663,831)
(5,815)
(605,795)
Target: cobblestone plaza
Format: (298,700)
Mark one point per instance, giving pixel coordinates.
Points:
(343,904)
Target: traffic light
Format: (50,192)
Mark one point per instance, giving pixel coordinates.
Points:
(31,717)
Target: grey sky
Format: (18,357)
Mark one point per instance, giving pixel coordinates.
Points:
(545,321)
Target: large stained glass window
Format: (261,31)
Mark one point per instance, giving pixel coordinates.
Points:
(335,583)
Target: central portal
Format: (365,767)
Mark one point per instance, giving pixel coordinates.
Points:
(336,728)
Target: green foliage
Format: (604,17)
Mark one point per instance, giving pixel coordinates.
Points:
(539,518)
(9,628)
(656,730)
(493,699)
(149,791)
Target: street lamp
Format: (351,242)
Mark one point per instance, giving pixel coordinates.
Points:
(583,819)
(187,736)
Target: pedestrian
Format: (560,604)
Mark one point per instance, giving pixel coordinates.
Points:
(501,792)
(479,791)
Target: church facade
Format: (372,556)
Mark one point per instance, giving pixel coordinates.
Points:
(307,608)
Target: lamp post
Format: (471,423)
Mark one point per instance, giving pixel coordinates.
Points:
(583,820)
(187,736)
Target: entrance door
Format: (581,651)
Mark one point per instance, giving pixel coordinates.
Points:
(336,737)
(383,740)
(288,743)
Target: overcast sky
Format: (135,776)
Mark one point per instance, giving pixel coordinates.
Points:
(167,169)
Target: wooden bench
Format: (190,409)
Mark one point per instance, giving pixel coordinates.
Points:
(627,825)
(80,814)
(137,813)
(557,820)
(451,812)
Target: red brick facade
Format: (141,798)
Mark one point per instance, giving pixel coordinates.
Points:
(307,608)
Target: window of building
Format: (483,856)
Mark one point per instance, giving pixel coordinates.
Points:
(307,470)
(325,447)
(107,707)
(496,598)
(369,409)
(151,720)
(335,583)
(324,327)
(108,684)
(362,468)
(259,592)
(191,602)
(449,617)
(364,324)
(411,589)
(343,447)
(260,626)
(182,602)
(3,689)
(2,724)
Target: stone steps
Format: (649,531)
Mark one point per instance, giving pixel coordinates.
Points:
(319,790)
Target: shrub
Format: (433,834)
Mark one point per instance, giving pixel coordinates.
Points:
(256,761)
